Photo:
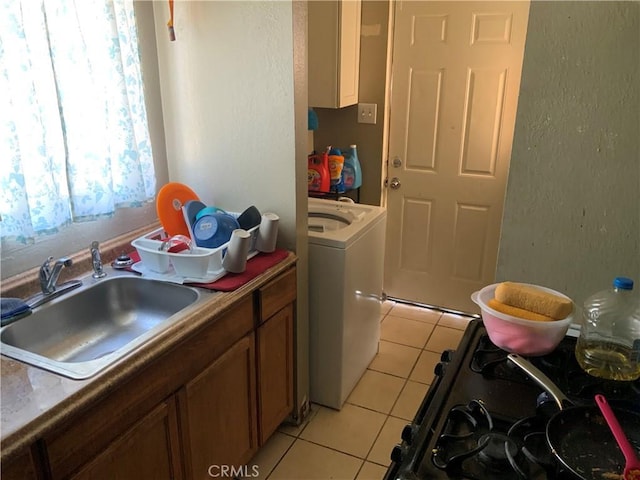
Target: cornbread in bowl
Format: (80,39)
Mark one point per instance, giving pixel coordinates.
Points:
(536,335)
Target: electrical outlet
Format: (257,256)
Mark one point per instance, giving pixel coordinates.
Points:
(367,112)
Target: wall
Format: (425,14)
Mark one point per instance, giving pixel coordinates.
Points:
(339,127)
(572,211)
(234,120)
(227,98)
(302,246)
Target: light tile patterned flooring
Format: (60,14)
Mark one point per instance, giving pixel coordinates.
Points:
(355,442)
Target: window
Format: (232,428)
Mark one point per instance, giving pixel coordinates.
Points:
(74,139)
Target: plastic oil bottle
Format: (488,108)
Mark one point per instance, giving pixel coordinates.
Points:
(609,342)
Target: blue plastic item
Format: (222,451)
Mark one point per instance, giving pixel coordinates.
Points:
(623,282)
(337,184)
(13,309)
(312,120)
(351,172)
(214,230)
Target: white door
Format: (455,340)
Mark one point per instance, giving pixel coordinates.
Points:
(455,82)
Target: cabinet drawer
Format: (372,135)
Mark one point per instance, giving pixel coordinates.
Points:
(277,293)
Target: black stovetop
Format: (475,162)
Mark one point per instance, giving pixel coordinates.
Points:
(484,418)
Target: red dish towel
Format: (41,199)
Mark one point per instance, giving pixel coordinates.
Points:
(255,266)
(232,281)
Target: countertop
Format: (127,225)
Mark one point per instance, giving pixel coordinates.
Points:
(34,401)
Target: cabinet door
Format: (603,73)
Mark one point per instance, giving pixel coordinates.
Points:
(275,371)
(21,468)
(218,413)
(334,52)
(148,450)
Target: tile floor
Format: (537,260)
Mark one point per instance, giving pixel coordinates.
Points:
(355,442)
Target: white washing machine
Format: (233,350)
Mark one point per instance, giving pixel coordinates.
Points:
(346,261)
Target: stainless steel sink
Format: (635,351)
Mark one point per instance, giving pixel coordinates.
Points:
(84,331)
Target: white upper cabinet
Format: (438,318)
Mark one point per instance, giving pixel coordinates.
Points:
(334,52)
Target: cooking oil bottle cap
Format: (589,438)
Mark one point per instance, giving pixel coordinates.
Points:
(623,283)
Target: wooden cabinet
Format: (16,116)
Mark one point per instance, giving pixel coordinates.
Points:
(150,449)
(202,406)
(275,371)
(334,52)
(274,345)
(218,413)
(21,468)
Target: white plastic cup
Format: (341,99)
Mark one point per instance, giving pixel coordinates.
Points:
(268,233)
(235,260)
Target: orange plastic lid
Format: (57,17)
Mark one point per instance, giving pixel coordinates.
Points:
(171,199)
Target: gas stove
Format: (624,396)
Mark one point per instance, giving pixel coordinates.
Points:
(484,418)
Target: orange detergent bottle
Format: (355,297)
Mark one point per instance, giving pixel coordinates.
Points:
(336,164)
(318,176)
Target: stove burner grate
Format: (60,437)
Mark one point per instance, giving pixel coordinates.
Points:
(536,459)
(491,362)
(487,357)
(497,449)
(475,446)
(460,438)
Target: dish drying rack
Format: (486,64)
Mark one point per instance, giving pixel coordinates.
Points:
(199,265)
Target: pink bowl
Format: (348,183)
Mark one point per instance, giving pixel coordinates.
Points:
(518,335)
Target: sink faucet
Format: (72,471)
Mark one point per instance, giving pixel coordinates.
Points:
(96,261)
(49,276)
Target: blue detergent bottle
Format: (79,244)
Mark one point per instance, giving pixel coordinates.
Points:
(351,172)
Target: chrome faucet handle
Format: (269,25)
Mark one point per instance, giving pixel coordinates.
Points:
(49,276)
(96,261)
(64,261)
(45,273)
(46,266)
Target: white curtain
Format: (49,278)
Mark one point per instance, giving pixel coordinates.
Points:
(74,142)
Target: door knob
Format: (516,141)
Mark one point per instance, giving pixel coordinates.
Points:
(395,183)
(397,162)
